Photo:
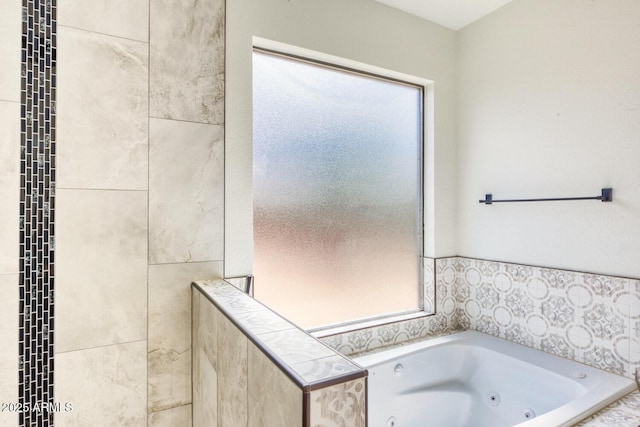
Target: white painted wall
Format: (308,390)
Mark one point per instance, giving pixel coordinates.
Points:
(360,30)
(549,105)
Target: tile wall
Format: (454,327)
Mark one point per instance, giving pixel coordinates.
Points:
(244,354)
(102,107)
(591,318)
(139,173)
(186,177)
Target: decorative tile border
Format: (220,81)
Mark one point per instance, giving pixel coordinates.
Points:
(37,209)
(364,340)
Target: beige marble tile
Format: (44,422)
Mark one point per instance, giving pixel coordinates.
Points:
(239,304)
(262,321)
(196,389)
(9,185)
(232,374)
(206,331)
(169,382)
(195,308)
(205,393)
(122,18)
(10,31)
(102,111)
(101,268)
(9,349)
(186,192)
(204,362)
(196,378)
(106,386)
(169,326)
(174,417)
(170,302)
(339,405)
(187,60)
(274,400)
(295,346)
(325,368)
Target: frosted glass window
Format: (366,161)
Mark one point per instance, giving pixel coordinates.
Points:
(337,167)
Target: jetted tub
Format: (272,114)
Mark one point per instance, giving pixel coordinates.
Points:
(473,379)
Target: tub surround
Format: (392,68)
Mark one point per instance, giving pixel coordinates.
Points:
(240,345)
(590,318)
(471,365)
(525,304)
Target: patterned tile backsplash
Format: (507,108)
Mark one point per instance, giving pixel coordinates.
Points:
(582,316)
(591,318)
(341,405)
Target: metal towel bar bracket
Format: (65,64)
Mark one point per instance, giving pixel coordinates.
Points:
(606,196)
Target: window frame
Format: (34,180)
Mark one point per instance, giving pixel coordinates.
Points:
(426,106)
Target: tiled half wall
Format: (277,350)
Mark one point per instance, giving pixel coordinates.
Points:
(255,368)
(591,318)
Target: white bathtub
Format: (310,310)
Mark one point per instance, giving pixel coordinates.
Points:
(474,379)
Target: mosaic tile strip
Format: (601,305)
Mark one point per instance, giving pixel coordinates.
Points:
(37,212)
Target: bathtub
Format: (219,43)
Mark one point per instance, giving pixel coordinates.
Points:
(473,379)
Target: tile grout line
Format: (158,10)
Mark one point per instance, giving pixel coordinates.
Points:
(148,323)
(71,27)
(96,347)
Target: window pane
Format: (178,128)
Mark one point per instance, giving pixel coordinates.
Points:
(337,192)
